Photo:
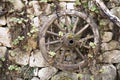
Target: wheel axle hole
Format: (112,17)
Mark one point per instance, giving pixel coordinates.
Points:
(71,42)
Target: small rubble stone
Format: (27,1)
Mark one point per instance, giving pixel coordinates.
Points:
(111,56)
(2,51)
(35,72)
(2,21)
(110,46)
(107,36)
(20,57)
(36,21)
(65,76)
(35,78)
(47,73)
(5,38)
(37,60)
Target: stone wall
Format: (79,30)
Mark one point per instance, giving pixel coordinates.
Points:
(20,56)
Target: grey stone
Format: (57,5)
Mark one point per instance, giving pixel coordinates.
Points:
(35,78)
(47,73)
(65,76)
(5,37)
(110,46)
(107,36)
(2,51)
(20,57)
(107,72)
(116,11)
(48,9)
(2,21)
(118,70)
(101,72)
(106,25)
(36,7)
(111,56)
(37,60)
(18,4)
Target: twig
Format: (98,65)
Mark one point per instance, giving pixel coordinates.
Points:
(106,11)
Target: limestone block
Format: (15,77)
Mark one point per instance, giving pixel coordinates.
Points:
(110,46)
(47,73)
(111,56)
(18,4)
(36,7)
(107,36)
(5,38)
(116,11)
(2,21)
(2,51)
(118,70)
(37,60)
(65,76)
(108,72)
(20,57)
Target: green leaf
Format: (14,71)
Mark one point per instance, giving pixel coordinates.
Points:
(77,2)
(52,54)
(91,77)
(11,67)
(90,55)
(3,58)
(60,33)
(80,76)
(92,44)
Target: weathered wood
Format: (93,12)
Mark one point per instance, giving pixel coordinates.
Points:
(106,11)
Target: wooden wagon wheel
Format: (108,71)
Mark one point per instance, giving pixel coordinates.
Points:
(65,41)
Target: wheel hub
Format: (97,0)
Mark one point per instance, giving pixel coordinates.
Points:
(69,40)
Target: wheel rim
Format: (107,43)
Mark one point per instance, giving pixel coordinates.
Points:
(66,46)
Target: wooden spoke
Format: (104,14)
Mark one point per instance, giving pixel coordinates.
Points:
(62,56)
(53,42)
(67,23)
(88,47)
(75,25)
(48,46)
(55,34)
(84,28)
(71,53)
(56,49)
(78,51)
(86,38)
(59,26)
